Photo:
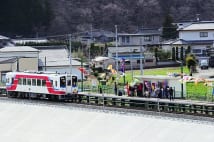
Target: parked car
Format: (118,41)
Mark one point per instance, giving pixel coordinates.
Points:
(204,64)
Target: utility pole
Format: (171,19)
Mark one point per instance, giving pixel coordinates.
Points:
(116,44)
(182,85)
(70,55)
(141,57)
(117,57)
(91,36)
(17,64)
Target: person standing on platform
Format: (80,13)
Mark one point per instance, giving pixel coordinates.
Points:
(100,88)
(115,88)
(127,89)
(170,93)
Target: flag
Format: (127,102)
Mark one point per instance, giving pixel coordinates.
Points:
(83,70)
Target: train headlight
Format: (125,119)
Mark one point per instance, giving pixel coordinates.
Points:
(75,90)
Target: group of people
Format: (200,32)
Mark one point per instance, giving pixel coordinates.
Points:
(166,92)
(138,91)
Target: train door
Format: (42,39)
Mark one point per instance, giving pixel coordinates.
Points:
(68,86)
(74,84)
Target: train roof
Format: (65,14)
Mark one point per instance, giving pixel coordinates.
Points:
(38,73)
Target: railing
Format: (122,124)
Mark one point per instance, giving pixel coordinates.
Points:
(151,104)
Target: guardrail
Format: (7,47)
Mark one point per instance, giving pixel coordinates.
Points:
(151,104)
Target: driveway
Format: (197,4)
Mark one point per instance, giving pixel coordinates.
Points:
(205,73)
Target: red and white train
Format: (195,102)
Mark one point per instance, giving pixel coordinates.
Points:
(41,85)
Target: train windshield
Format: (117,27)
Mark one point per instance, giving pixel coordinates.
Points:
(74,81)
(63,81)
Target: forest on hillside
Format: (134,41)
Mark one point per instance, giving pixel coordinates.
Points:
(47,17)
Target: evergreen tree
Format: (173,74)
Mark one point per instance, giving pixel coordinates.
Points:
(169,30)
(24,17)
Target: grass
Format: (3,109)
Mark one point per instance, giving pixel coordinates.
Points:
(157,71)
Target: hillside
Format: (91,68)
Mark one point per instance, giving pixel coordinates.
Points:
(68,16)
(72,15)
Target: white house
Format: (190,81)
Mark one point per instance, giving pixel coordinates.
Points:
(199,36)
(134,47)
(144,36)
(56,59)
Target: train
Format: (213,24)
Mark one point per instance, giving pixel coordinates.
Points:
(42,85)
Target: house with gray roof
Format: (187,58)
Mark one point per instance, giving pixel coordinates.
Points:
(135,47)
(199,36)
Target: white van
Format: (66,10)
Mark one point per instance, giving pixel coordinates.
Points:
(204,64)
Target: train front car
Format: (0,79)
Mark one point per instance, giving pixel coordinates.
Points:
(41,85)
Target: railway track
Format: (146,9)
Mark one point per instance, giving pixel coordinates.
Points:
(110,109)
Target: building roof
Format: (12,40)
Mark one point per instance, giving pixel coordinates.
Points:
(199,26)
(100,58)
(56,57)
(142,32)
(98,33)
(3,37)
(7,60)
(31,40)
(18,49)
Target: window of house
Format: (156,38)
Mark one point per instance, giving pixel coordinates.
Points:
(127,62)
(196,51)
(138,61)
(147,38)
(149,60)
(127,39)
(123,39)
(203,34)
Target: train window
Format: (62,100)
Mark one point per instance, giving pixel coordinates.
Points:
(74,80)
(69,82)
(20,81)
(24,81)
(7,80)
(28,81)
(12,80)
(62,81)
(38,82)
(34,82)
(43,82)
(51,82)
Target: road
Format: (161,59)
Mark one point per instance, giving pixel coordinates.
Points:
(205,73)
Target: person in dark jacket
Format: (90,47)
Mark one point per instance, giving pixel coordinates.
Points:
(115,88)
(170,93)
